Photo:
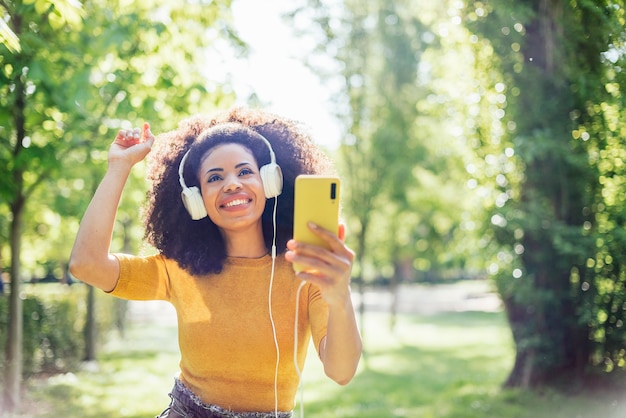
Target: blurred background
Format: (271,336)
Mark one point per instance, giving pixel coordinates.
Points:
(481,146)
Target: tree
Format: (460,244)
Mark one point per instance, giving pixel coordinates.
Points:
(21,150)
(371,89)
(71,76)
(552,56)
(403,167)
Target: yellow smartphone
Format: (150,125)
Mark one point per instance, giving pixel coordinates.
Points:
(316,199)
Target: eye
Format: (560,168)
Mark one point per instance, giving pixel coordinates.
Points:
(214,177)
(245,171)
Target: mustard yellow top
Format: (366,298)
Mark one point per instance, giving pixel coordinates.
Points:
(228,355)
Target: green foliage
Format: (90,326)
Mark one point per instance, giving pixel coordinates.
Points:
(403,168)
(54,319)
(78,78)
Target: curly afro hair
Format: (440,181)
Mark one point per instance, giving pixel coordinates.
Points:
(197,245)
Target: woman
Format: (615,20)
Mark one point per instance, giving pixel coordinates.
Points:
(242,312)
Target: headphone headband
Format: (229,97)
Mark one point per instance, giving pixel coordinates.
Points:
(271,177)
(181,168)
(269,147)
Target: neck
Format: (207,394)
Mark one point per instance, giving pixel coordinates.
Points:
(245,244)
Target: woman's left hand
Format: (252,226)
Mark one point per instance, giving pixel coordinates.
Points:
(329,269)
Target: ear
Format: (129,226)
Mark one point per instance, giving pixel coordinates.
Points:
(341,233)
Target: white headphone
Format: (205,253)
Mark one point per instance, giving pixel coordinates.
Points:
(271,176)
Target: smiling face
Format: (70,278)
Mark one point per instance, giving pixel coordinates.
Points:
(232,189)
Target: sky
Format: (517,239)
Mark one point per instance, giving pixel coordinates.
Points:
(289,88)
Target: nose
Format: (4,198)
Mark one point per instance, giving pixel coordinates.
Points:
(232,184)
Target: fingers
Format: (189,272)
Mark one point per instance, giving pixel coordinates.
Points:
(147,135)
(323,273)
(131,145)
(342,232)
(330,264)
(130,137)
(335,242)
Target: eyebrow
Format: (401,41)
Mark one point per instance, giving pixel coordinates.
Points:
(220,170)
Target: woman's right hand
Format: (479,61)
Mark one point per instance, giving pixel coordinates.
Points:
(131,146)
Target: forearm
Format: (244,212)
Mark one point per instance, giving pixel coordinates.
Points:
(342,345)
(90,260)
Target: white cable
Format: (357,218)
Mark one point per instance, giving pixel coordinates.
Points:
(295,333)
(269,301)
(295,350)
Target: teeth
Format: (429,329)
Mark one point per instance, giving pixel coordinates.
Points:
(236,203)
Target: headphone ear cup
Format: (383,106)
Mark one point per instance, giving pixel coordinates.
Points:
(192,200)
(272,177)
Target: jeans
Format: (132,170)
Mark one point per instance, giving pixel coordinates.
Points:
(185,404)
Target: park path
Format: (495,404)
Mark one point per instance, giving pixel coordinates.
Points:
(421,299)
(424,299)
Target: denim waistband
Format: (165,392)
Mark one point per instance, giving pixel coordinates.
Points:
(190,400)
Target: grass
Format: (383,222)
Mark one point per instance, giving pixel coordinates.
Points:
(448,365)
(131,379)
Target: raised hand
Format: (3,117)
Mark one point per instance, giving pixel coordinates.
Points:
(131,146)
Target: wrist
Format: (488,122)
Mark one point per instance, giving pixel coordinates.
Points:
(341,304)
(119,167)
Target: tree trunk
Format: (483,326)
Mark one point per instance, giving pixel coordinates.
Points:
(395,297)
(121,305)
(14,358)
(360,256)
(551,345)
(550,340)
(90,326)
